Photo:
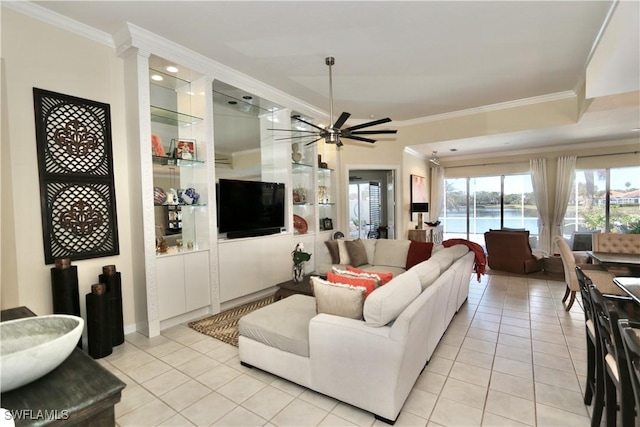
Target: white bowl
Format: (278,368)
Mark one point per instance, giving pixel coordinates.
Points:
(34,346)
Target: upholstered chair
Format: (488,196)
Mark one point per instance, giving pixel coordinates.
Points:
(602,279)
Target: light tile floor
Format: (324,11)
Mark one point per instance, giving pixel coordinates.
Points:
(512,356)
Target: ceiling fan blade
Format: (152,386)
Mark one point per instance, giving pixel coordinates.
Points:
(373,132)
(295,130)
(315,140)
(296,137)
(341,120)
(307,123)
(366,125)
(359,138)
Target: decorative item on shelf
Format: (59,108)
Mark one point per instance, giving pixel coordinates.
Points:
(295,155)
(180,194)
(184,149)
(190,245)
(327,224)
(163,246)
(299,195)
(179,244)
(190,196)
(319,160)
(433,224)
(300,224)
(323,194)
(156,146)
(159,196)
(172,197)
(299,258)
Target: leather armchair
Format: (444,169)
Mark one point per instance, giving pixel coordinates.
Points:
(510,251)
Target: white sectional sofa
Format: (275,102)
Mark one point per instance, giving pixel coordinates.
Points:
(371,363)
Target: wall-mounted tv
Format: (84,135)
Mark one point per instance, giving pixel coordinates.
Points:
(250,208)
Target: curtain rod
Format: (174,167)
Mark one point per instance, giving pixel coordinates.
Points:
(511,163)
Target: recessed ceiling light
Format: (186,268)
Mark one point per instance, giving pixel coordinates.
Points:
(247,97)
(233,102)
(156,78)
(172,69)
(453,149)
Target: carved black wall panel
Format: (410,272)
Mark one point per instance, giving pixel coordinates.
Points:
(75,162)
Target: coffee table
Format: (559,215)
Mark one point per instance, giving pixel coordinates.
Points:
(288,288)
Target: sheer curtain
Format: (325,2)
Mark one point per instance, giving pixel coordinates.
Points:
(539,181)
(564,181)
(437,193)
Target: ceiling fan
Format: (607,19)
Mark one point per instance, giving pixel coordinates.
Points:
(334,134)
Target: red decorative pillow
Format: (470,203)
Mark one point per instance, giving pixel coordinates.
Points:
(384,277)
(363,282)
(418,252)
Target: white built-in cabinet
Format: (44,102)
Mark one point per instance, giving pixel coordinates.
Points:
(183,283)
(207,272)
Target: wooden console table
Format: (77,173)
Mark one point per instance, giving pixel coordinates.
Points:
(288,288)
(427,234)
(79,392)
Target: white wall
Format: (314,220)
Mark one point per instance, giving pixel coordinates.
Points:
(39,55)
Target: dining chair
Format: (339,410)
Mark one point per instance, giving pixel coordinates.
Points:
(601,278)
(630,331)
(594,351)
(617,382)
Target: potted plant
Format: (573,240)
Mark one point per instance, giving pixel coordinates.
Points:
(299,257)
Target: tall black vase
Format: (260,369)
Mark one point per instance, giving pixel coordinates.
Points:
(99,324)
(111,278)
(64,289)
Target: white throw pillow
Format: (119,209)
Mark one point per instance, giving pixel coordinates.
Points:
(337,299)
(391,252)
(387,302)
(370,247)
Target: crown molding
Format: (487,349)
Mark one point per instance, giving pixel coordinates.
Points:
(489,108)
(50,17)
(415,153)
(133,36)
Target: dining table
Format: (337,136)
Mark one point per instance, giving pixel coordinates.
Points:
(621,264)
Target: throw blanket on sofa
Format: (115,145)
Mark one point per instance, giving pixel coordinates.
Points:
(480,263)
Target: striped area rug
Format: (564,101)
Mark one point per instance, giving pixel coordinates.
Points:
(224,326)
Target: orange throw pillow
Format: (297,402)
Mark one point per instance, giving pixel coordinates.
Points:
(384,277)
(363,282)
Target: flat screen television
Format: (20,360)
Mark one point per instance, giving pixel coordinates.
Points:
(250,208)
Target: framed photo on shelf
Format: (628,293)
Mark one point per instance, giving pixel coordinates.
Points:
(327,224)
(184,149)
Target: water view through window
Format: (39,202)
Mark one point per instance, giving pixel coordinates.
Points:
(476,205)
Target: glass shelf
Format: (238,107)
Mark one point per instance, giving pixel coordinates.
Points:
(172,161)
(301,166)
(168,81)
(326,204)
(325,170)
(174,118)
(302,204)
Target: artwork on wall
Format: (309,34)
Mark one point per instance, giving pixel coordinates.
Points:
(75,161)
(418,192)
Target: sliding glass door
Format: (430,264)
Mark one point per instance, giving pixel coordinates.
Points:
(475,205)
